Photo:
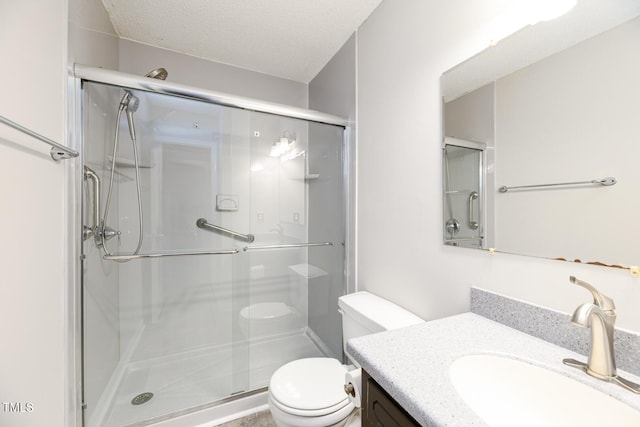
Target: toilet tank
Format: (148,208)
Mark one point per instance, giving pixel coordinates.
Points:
(364,313)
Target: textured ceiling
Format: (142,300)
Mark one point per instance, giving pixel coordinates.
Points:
(292,39)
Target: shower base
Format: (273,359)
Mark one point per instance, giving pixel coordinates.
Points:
(198,378)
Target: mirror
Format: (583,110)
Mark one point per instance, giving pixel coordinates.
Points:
(556,107)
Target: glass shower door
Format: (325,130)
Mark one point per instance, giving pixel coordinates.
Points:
(241,260)
(160,332)
(463,196)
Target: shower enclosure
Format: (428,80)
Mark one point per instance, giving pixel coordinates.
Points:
(213,248)
(463,193)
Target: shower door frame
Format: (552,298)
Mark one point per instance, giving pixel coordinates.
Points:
(482,177)
(74,407)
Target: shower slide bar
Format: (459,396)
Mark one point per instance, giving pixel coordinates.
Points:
(58,151)
(607,181)
(292,245)
(205,225)
(170,254)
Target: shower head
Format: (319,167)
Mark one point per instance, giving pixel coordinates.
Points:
(130,102)
(158,73)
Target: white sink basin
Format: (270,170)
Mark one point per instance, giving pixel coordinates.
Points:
(509,392)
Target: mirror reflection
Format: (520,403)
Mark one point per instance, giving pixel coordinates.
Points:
(463,163)
(561,135)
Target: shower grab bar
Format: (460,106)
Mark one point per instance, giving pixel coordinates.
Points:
(170,254)
(472,224)
(89,174)
(202,223)
(58,151)
(609,180)
(293,245)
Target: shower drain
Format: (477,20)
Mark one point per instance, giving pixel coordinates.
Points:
(141,398)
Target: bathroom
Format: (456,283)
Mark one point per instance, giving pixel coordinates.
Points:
(395,58)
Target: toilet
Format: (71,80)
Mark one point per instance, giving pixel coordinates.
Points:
(310,392)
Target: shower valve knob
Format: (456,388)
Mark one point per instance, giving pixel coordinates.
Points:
(108,233)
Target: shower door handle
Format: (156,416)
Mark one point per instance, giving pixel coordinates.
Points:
(472,224)
(87,231)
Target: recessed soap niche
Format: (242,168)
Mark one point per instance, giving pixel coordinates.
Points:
(227,202)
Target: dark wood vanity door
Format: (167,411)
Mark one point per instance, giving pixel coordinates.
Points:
(381,410)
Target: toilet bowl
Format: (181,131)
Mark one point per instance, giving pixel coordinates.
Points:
(268,318)
(310,392)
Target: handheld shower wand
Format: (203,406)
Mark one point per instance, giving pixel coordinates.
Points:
(129,104)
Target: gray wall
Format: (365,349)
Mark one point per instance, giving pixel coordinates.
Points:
(470,116)
(92,39)
(332,91)
(137,58)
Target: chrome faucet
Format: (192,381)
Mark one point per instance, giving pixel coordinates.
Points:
(600,317)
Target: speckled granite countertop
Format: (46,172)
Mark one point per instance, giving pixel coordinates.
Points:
(412,364)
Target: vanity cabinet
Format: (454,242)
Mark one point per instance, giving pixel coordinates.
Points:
(381,410)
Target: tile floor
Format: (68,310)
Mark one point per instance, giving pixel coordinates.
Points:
(264,419)
(260,419)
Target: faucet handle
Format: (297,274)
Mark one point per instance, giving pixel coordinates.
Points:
(599,299)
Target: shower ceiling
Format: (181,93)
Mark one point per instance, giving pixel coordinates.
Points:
(292,39)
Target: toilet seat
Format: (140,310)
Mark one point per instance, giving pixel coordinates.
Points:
(309,387)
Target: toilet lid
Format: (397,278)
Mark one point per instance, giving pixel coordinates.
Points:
(310,384)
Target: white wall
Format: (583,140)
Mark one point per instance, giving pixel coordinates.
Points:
(403,48)
(33,306)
